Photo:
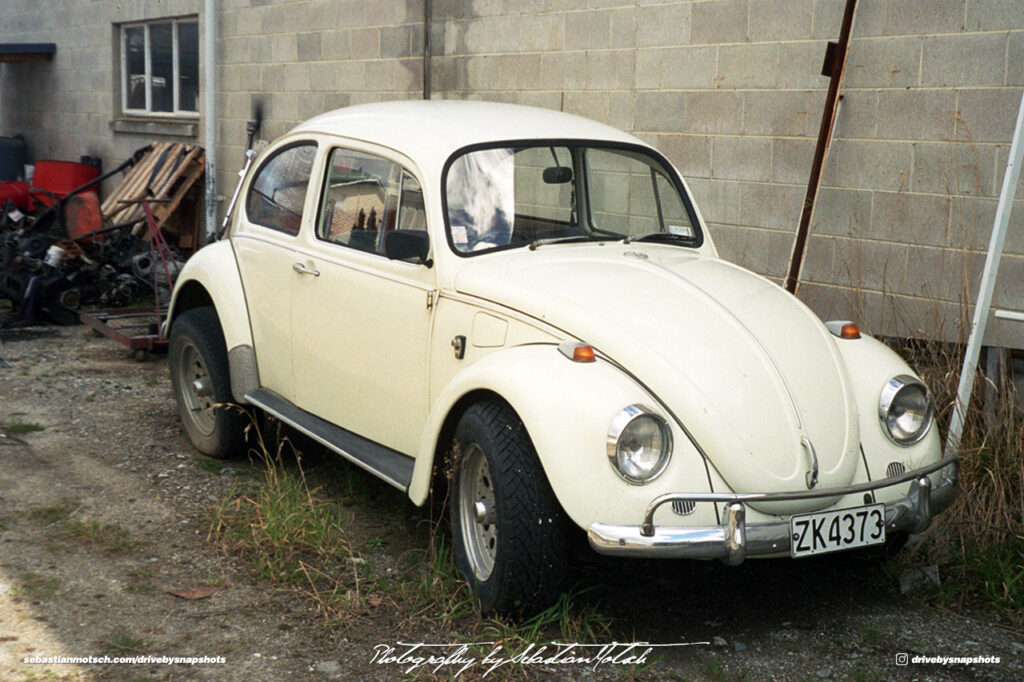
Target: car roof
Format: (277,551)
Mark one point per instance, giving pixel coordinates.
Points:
(437,128)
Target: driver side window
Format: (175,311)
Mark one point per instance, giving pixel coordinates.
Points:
(278,192)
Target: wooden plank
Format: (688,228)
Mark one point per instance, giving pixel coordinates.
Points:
(182,182)
(131,178)
(182,166)
(130,187)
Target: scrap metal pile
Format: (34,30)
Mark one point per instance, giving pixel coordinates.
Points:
(61,250)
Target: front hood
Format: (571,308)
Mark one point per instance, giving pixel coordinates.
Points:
(748,370)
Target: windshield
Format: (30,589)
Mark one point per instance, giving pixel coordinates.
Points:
(541,193)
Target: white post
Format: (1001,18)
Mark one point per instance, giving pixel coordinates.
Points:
(210,114)
(988,283)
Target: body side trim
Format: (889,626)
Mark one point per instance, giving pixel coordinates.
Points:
(385,463)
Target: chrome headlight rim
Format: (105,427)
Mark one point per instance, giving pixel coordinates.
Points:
(620,423)
(886,400)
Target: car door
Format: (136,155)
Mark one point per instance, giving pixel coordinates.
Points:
(361,322)
(265,244)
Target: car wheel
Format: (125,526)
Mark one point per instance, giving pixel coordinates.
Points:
(509,530)
(202,384)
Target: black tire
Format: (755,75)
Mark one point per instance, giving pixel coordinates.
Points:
(515,559)
(202,384)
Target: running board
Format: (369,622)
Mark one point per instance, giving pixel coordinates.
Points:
(385,463)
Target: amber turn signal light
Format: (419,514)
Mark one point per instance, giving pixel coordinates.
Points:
(577,352)
(844,329)
(583,354)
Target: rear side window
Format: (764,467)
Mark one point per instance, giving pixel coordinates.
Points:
(278,192)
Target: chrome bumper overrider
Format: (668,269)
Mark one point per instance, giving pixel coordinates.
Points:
(736,540)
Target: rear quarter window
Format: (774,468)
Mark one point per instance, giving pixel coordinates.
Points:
(277,194)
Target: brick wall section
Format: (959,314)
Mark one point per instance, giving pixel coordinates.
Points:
(730,90)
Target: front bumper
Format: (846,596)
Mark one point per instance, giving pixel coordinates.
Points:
(736,540)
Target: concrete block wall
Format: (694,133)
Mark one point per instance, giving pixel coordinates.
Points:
(300,58)
(65,108)
(730,90)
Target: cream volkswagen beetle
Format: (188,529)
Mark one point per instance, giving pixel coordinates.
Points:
(530,303)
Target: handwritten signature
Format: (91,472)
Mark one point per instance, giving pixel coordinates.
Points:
(463,656)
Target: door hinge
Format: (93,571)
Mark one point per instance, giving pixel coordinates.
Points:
(430,299)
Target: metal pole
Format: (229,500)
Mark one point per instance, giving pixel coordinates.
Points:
(210,114)
(834,67)
(988,283)
(426,48)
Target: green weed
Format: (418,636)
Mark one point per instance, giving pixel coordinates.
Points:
(139,579)
(869,634)
(209,465)
(36,586)
(111,538)
(54,513)
(17,428)
(122,643)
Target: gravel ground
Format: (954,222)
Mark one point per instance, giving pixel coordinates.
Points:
(106,507)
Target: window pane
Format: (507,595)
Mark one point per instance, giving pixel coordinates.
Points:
(481,199)
(501,197)
(188,66)
(411,214)
(359,200)
(161,67)
(548,204)
(135,67)
(278,193)
(630,194)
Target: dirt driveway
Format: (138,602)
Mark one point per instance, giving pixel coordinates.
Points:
(105,510)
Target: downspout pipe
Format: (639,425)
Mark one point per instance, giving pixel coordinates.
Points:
(210,114)
(426,48)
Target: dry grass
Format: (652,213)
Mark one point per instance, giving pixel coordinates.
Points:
(291,534)
(295,536)
(979,541)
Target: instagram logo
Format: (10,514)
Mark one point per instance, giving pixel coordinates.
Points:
(902,659)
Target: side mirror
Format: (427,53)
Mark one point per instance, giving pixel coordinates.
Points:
(557,175)
(407,245)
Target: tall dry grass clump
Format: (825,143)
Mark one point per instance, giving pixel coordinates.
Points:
(980,539)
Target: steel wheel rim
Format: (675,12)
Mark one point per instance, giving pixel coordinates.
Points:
(479,530)
(195,384)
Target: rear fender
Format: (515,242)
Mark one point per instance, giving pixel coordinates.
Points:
(210,277)
(870,365)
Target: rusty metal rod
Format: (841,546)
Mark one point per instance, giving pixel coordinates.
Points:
(835,65)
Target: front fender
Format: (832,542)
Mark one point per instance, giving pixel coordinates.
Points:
(567,408)
(213,272)
(870,364)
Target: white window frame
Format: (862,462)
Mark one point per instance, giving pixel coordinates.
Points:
(145,25)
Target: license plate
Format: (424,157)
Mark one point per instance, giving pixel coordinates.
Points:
(837,530)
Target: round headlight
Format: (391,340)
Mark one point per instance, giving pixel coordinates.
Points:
(905,410)
(639,444)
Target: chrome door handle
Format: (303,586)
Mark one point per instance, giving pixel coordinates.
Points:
(303,270)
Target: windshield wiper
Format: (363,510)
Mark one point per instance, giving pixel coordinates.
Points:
(670,236)
(563,240)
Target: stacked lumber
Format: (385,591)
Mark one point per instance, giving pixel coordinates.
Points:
(163,176)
